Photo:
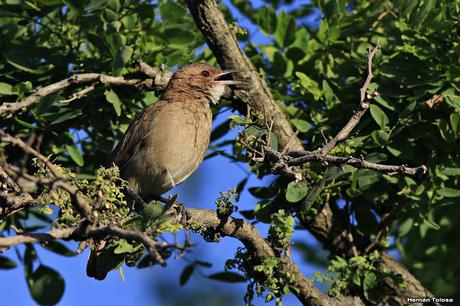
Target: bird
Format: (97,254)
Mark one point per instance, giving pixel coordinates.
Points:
(167,142)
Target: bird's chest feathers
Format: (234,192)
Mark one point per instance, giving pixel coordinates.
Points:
(198,126)
(183,130)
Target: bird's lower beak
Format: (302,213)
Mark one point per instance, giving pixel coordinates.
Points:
(218,78)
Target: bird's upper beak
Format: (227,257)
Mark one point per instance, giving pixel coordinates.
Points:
(218,78)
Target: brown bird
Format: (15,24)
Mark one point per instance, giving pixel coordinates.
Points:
(167,142)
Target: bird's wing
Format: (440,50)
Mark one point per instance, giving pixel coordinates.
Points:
(137,131)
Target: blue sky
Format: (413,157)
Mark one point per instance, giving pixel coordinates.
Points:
(153,286)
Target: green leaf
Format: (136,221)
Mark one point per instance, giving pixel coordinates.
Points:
(379,116)
(448,192)
(369,283)
(384,103)
(75,154)
(262,192)
(204,264)
(25,124)
(266,19)
(301,125)
(228,277)
(62,115)
(367,178)
(220,130)
(380,137)
(453,100)
(265,209)
(152,211)
(114,5)
(285,29)
(6,89)
(248,214)
(113,98)
(405,227)
(108,260)
(455,123)
(445,130)
(58,248)
(186,273)
(309,84)
(274,142)
(279,65)
(178,37)
(122,57)
(123,247)
(236,120)
(6,263)
(296,191)
(122,273)
(451,171)
(172,10)
(47,286)
(21,63)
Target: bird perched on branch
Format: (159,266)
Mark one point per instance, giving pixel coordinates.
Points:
(167,142)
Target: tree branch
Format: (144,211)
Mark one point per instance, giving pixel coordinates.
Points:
(80,203)
(280,161)
(79,234)
(156,81)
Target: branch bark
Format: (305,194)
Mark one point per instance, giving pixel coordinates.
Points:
(156,81)
(284,161)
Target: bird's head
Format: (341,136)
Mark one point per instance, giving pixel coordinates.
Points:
(204,79)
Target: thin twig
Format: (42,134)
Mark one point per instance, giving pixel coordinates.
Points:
(370,75)
(382,230)
(28,149)
(350,230)
(106,80)
(8,181)
(301,157)
(363,106)
(80,94)
(80,203)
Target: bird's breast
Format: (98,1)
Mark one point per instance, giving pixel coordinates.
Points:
(177,144)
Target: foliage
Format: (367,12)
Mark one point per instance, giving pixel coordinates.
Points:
(359,275)
(314,70)
(226,203)
(281,230)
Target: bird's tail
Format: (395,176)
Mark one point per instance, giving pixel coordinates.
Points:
(93,267)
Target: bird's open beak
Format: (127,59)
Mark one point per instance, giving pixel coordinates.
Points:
(224,73)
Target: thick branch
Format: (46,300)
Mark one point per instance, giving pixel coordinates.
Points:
(76,233)
(203,219)
(11,203)
(8,242)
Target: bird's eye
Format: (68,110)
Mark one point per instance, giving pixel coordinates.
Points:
(205,73)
